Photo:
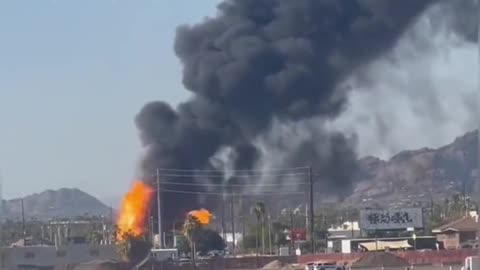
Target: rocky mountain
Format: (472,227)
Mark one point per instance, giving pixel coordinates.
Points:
(62,203)
(408,177)
(420,175)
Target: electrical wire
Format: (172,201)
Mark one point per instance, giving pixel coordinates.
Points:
(239,170)
(233,176)
(230,185)
(232,194)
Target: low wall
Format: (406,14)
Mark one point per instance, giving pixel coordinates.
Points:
(423,260)
(330,257)
(414,257)
(438,257)
(246,262)
(228,263)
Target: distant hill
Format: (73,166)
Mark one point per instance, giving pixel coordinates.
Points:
(408,177)
(62,203)
(420,175)
(112,200)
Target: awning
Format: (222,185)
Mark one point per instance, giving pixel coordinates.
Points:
(383,245)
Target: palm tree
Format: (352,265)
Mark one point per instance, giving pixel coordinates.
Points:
(457,203)
(291,213)
(191,228)
(125,245)
(133,248)
(259,210)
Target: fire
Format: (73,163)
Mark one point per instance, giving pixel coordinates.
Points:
(133,211)
(203,216)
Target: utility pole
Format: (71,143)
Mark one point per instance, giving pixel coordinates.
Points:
(159,210)
(174,232)
(269,222)
(244,233)
(224,233)
(478,138)
(464,194)
(150,228)
(111,216)
(111,227)
(233,223)
(1,210)
(292,235)
(307,216)
(23,221)
(312,213)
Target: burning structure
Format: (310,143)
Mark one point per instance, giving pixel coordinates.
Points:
(134,211)
(203,216)
(266,77)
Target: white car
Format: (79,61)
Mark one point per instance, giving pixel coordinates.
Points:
(309,266)
(323,266)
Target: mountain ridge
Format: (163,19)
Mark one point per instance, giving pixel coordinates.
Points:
(408,177)
(50,203)
(414,175)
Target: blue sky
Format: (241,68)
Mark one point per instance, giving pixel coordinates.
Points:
(73,74)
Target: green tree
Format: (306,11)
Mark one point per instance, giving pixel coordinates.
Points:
(191,229)
(259,211)
(457,205)
(95,237)
(210,240)
(249,242)
(133,248)
(278,231)
(183,244)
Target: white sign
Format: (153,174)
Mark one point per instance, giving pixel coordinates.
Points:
(393,219)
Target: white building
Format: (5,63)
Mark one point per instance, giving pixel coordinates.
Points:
(348,229)
(229,237)
(340,236)
(51,257)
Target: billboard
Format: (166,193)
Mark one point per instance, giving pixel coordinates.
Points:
(298,234)
(391,219)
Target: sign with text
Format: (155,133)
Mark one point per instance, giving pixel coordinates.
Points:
(298,235)
(392,219)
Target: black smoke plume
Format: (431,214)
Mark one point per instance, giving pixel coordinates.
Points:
(261,61)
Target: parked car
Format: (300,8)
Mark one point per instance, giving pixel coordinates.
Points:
(183,261)
(309,266)
(469,244)
(323,266)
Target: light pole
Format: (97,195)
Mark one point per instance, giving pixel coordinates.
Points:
(291,214)
(235,220)
(269,224)
(292,236)
(414,237)
(159,210)
(174,233)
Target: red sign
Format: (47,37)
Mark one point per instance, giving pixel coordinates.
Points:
(298,234)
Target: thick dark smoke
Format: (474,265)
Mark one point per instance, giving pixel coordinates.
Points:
(261,61)
(464,19)
(432,69)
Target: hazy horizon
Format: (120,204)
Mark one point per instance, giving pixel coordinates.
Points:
(74,75)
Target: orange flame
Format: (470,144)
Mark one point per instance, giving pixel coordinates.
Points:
(133,211)
(203,216)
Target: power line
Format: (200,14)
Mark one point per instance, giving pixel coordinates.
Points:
(238,170)
(232,194)
(233,176)
(231,185)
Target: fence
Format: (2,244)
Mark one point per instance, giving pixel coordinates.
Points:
(445,257)
(227,263)
(428,260)
(438,257)
(424,267)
